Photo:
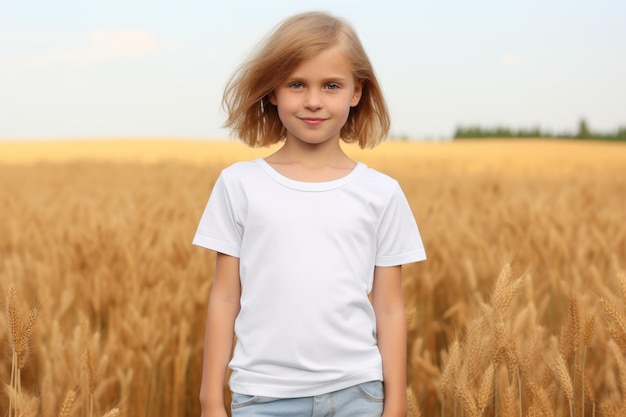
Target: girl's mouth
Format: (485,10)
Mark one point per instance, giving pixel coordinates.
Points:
(312,121)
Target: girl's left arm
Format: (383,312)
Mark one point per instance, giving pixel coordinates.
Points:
(388,304)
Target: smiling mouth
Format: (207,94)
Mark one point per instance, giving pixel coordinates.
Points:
(312,121)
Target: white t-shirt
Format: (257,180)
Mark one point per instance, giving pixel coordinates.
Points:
(307,255)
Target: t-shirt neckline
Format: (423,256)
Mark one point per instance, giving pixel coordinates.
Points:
(310,186)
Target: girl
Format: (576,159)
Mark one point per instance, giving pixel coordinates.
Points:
(304,236)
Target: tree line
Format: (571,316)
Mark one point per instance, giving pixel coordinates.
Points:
(583,132)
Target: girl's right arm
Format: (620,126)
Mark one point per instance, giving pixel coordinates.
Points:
(219,335)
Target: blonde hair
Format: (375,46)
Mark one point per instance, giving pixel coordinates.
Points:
(252,117)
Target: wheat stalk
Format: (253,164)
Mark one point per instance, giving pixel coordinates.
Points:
(621,367)
(559,369)
(608,409)
(506,394)
(504,346)
(485,389)
(616,317)
(570,332)
(413,408)
(589,393)
(78,198)
(540,400)
(15,333)
(532,350)
(14,324)
(474,347)
(20,335)
(588,331)
(450,370)
(24,346)
(68,402)
(88,365)
(451,367)
(467,399)
(503,291)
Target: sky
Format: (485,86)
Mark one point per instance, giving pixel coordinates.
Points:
(72,69)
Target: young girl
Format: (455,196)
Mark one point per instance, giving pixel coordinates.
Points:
(304,236)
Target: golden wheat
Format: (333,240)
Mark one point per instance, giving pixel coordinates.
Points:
(413,407)
(68,402)
(519,310)
(114,412)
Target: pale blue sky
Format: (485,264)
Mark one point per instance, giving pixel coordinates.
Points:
(84,69)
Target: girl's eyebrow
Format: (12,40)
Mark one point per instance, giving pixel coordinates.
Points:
(337,78)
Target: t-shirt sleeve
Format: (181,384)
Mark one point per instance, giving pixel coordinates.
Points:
(219,228)
(399,240)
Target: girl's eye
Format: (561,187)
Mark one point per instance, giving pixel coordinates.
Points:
(296,85)
(332,86)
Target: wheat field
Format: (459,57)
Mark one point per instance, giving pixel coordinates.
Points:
(520,309)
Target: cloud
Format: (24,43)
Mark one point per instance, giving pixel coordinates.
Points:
(170,47)
(101,46)
(121,44)
(512,59)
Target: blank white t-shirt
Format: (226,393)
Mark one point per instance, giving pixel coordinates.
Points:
(307,254)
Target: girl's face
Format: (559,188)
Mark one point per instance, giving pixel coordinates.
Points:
(315,100)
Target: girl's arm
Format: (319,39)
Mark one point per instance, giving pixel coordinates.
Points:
(388,304)
(219,334)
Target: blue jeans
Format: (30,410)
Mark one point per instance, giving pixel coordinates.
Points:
(363,400)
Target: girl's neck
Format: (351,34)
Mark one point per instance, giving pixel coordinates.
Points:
(311,163)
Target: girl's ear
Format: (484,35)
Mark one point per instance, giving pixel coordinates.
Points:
(272,97)
(356,96)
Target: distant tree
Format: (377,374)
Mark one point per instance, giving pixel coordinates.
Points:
(583,130)
(476,131)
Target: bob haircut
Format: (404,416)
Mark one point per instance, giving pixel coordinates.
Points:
(254,120)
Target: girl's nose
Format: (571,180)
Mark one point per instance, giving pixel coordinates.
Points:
(313,100)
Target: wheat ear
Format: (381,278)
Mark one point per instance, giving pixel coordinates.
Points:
(485,390)
(114,412)
(452,365)
(88,362)
(559,369)
(413,408)
(614,314)
(502,294)
(68,402)
(467,399)
(474,349)
(621,278)
(571,332)
(621,367)
(20,333)
(14,334)
(507,398)
(540,399)
(608,409)
(589,393)
(588,330)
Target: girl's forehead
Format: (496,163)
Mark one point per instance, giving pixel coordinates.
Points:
(334,57)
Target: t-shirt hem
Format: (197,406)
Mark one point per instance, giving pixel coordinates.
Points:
(216,245)
(292,390)
(405,258)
